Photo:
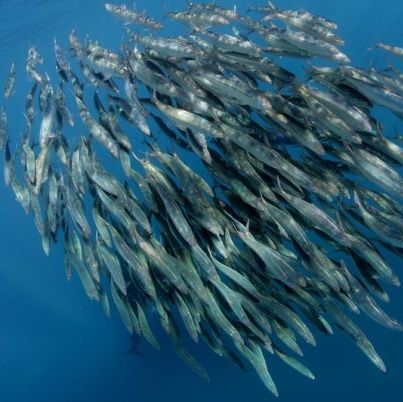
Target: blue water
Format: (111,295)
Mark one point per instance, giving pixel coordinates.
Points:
(56,345)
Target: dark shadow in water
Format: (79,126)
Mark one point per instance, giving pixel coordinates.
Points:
(134,348)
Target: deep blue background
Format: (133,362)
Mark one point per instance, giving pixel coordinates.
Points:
(56,345)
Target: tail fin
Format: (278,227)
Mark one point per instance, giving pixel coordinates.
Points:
(376,44)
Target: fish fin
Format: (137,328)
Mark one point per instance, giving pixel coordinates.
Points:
(278,187)
(357,199)
(378,130)
(271,6)
(247,226)
(375,45)
(348,147)
(339,222)
(396,135)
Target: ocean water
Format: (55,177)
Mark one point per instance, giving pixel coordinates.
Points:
(57,345)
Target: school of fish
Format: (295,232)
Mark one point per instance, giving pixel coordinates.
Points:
(266,203)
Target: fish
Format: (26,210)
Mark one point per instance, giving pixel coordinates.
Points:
(62,65)
(186,119)
(3,127)
(210,190)
(33,59)
(10,82)
(132,16)
(396,50)
(167,48)
(98,131)
(381,229)
(199,18)
(232,43)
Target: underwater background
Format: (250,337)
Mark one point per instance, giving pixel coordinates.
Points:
(57,345)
